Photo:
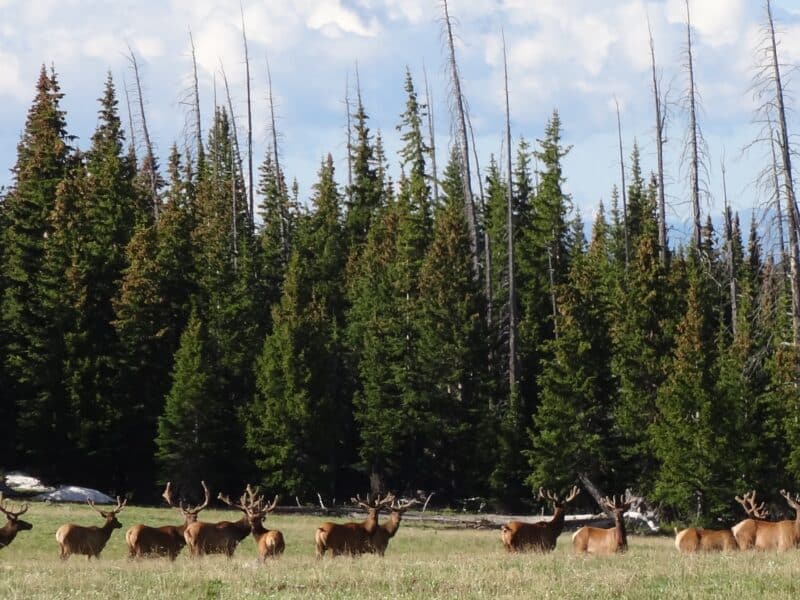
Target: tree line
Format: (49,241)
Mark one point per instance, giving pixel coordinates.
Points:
(153,327)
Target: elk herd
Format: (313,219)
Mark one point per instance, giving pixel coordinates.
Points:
(371,537)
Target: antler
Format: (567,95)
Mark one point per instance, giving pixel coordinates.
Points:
(748,502)
(557,500)
(377,502)
(790,501)
(120,505)
(243,506)
(573,493)
(402,507)
(199,507)
(615,504)
(5,509)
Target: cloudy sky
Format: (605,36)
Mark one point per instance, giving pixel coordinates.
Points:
(573,55)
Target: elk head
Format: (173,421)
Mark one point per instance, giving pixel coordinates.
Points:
(189,512)
(13,524)
(110,515)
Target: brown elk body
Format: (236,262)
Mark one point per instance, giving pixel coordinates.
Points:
(770,535)
(270,542)
(217,538)
(167,540)
(697,539)
(78,539)
(540,537)
(595,540)
(13,523)
(351,538)
(386,531)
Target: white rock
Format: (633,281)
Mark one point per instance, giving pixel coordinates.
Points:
(74,493)
(22,484)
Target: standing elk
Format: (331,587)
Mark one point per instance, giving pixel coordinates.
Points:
(217,538)
(540,537)
(380,539)
(166,540)
(594,540)
(13,523)
(77,539)
(351,538)
(270,543)
(697,539)
(768,535)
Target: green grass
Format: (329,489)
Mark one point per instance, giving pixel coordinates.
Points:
(420,563)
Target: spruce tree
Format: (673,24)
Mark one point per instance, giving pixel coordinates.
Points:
(298,426)
(29,316)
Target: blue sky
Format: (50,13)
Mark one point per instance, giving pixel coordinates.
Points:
(574,55)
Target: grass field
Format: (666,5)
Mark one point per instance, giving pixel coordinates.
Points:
(420,563)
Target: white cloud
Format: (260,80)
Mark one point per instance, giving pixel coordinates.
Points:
(11,83)
(334,20)
(719,22)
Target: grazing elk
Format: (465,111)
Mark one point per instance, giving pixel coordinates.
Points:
(768,535)
(166,540)
(270,542)
(217,538)
(77,539)
(594,540)
(13,524)
(351,538)
(540,537)
(697,539)
(380,539)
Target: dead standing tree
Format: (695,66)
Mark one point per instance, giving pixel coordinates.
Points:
(251,202)
(661,124)
(463,144)
(149,164)
(512,286)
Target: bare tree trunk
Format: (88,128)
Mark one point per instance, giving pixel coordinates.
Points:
(431,135)
(278,173)
(512,285)
(778,207)
(198,126)
(249,124)
(130,114)
(660,141)
(788,183)
(149,159)
(694,152)
(233,213)
(624,188)
(234,130)
(349,133)
(487,242)
(729,252)
(469,203)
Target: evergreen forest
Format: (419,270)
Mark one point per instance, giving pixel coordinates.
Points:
(459,330)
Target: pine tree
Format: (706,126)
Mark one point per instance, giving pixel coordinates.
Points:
(29,315)
(573,431)
(298,427)
(449,407)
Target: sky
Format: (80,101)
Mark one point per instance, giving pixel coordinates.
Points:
(576,56)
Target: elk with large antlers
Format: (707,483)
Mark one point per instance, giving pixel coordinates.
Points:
(385,532)
(166,540)
(697,539)
(217,538)
(13,523)
(270,542)
(351,538)
(595,540)
(77,539)
(768,535)
(539,537)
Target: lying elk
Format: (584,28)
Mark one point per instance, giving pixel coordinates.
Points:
(351,538)
(270,543)
(697,539)
(768,535)
(166,540)
(539,537)
(77,539)
(380,539)
(594,540)
(13,524)
(217,538)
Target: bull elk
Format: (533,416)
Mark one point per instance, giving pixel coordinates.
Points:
(217,538)
(595,540)
(768,535)
(385,532)
(697,539)
(540,537)
(351,538)
(270,542)
(77,539)
(166,540)
(13,523)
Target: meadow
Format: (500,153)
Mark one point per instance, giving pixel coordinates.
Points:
(421,562)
